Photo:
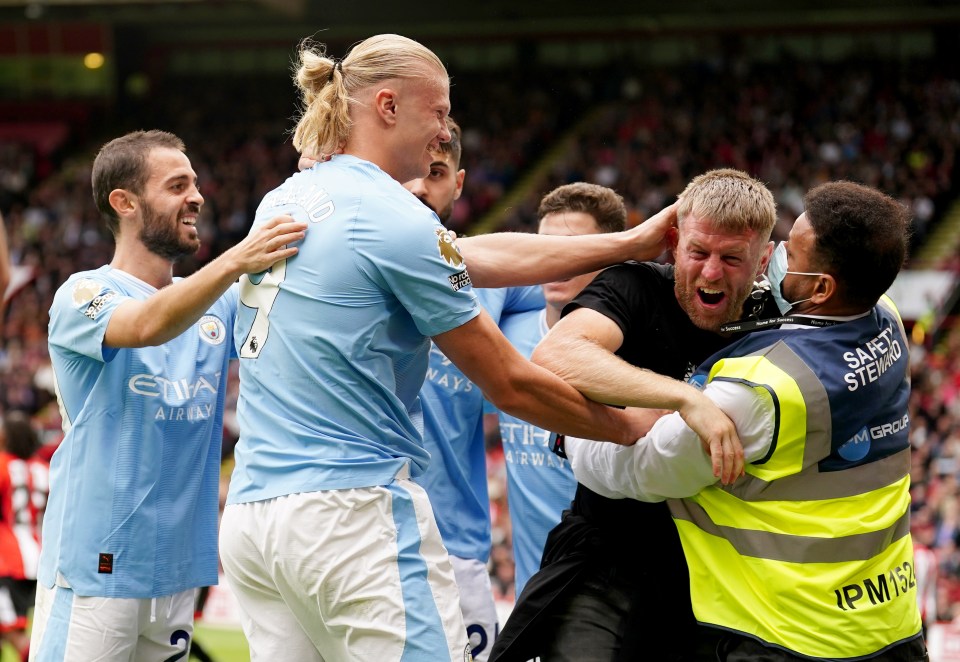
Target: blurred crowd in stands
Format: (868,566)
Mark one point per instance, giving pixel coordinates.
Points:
(793,125)
(644,133)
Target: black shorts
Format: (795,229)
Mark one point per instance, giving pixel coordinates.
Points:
(735,648)
(16,598)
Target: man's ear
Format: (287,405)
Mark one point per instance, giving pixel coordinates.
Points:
(765,260)
(123,202)
(385,103)
(460,175)
(824,290)
(306,162)
(673,238)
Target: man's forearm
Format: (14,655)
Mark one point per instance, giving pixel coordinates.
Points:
(528,391)
(603,376)
(173,309)
(176,307)
(541,398)
(509,259)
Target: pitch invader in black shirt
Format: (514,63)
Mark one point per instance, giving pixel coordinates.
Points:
(613,584)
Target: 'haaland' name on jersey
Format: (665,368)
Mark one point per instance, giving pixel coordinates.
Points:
(872,359)
(176,391)
(315,201)
(442,372)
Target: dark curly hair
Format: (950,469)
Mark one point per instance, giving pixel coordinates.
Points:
(861,238)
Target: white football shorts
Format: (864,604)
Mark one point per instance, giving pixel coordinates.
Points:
(337,575)
(73,628)
(477,605)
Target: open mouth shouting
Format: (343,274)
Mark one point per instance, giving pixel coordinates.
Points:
(710,297)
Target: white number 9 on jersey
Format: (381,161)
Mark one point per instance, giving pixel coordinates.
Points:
(259,291)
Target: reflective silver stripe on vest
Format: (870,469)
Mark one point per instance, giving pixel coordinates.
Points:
(811,485)
(795,549)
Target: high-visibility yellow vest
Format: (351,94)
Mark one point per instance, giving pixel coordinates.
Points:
(813,561)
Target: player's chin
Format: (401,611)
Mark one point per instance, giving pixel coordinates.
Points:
(423,169)
(707,321)
(191,246)
(556,296)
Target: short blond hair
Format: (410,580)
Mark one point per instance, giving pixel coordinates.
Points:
(732,200)
(327,86)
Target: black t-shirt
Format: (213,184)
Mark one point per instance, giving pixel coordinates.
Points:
(625,541)
(658,336)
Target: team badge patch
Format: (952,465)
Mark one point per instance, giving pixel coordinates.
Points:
(84,290)
(212,330)
(448,250)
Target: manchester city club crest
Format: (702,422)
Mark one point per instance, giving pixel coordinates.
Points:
(212,330)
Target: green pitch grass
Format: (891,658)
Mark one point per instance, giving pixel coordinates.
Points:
(223,645)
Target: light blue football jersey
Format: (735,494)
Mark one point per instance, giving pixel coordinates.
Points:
(134,485)
(540,485)
(456,478)
(334,341)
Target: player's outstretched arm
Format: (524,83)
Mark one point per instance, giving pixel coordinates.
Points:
(506,259)
(173,309)
(527,391)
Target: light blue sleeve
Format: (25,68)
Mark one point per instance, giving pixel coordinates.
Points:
(504,301)
(410,254)
(231,299)
(79,316)
(522,299)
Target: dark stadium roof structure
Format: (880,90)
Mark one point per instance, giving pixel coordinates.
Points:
(359,17)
